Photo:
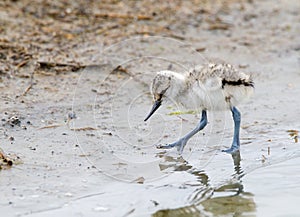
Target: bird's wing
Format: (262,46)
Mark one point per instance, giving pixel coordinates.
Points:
(215,76)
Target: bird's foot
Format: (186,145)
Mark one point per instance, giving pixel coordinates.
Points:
(234,148)
(180,144)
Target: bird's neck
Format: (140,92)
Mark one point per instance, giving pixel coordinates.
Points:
(179,87)
(184,94)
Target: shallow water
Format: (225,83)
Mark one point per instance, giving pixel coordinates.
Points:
(203,181)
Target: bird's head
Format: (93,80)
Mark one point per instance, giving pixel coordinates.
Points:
(162,88)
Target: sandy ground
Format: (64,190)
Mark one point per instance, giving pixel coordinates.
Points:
(74,82)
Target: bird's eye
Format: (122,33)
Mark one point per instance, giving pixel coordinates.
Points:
(158,96)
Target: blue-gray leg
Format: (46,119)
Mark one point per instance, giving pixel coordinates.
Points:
(236,136)
(180,144)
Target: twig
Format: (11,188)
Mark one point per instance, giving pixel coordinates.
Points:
(123,16)
(23,63)
(46,64)
(218,26)
(27,89)
(29,86)
(51,126)
(83,129)
(120,68)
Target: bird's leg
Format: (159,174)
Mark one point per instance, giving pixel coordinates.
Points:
(180,144)
(236,136)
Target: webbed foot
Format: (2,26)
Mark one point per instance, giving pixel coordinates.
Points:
(180,144)
(234,148)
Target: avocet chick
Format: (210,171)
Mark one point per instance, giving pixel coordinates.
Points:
(211,87)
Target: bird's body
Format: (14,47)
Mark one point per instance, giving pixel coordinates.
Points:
(210,87)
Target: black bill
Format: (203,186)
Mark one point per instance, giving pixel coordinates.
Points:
(154,108)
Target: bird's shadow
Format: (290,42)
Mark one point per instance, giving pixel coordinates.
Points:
(226,198)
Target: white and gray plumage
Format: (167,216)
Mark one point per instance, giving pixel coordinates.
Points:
(212,87)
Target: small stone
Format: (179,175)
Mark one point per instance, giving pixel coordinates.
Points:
(101,209)
(68,194)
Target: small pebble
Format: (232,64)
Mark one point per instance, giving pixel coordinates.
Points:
(68,194)
(101,209)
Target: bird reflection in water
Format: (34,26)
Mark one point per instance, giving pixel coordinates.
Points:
(227,199)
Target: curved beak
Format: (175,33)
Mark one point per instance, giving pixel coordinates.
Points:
(154,108)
